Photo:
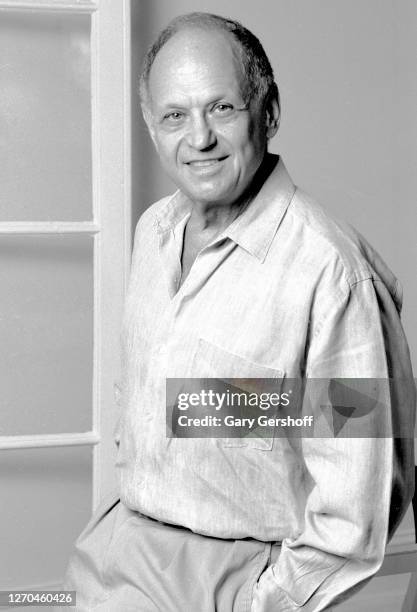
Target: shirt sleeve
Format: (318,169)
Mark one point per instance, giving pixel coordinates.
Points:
(359,487)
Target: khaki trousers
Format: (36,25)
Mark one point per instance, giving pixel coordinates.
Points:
(126,562)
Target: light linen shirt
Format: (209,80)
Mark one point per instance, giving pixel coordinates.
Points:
(283,291)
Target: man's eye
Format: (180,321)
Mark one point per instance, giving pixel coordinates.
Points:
(174,117)
(223,109)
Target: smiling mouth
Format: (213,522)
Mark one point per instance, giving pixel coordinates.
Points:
(204,163)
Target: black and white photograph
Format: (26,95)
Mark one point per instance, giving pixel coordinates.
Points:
(208,305)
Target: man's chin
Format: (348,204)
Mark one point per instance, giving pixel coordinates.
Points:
(206,196)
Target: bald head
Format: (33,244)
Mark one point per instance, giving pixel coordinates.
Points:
(190,59)
(254,64)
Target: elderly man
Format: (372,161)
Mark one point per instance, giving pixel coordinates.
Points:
(240,275)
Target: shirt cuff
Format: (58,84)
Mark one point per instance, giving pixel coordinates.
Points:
(269,597)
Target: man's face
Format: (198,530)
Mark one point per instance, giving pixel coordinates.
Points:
(210,142)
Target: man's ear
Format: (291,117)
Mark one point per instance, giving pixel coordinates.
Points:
(272,112)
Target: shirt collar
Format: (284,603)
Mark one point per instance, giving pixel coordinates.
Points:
(255,228)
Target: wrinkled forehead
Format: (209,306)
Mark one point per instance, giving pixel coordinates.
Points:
(194,58)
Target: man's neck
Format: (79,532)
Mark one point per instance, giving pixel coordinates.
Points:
(211,220)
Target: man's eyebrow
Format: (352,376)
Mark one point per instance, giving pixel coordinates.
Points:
(168,102)
(225,98)
(231,98)
(171,105)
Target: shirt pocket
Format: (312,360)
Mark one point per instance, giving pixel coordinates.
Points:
(212,361)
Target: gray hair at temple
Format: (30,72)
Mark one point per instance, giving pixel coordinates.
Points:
(256,65)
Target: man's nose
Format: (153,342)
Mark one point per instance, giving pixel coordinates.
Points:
(200,133)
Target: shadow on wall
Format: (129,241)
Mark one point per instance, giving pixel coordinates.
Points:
(146,173)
